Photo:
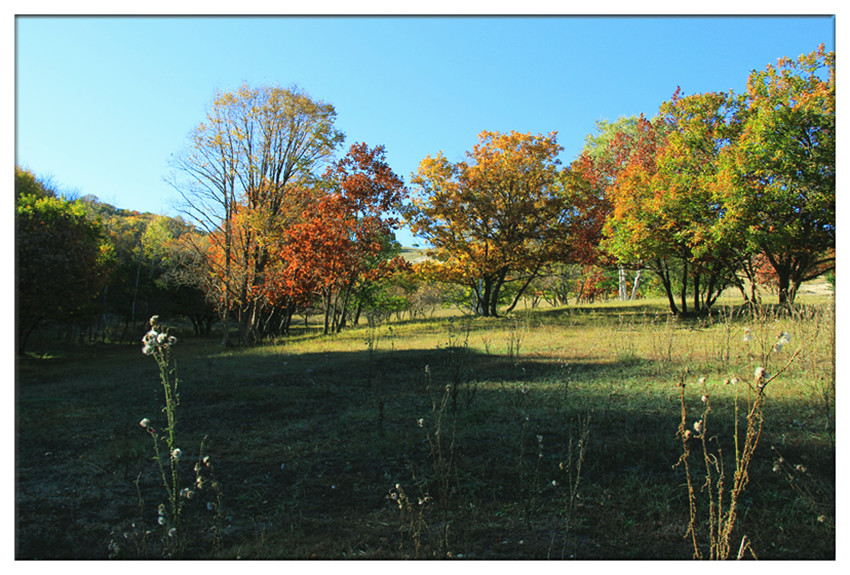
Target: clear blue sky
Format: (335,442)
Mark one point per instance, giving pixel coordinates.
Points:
(103,102)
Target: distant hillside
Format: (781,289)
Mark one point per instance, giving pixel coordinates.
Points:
(414,255)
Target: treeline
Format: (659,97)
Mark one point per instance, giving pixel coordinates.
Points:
(93,271)
(718,190)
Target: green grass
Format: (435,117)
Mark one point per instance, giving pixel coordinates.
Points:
(311,434)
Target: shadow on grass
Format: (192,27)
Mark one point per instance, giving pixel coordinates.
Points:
(307,447)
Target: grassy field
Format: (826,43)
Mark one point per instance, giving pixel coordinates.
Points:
(554,433)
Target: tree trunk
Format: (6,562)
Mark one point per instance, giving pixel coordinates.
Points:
(495,290)
(326,297)
(346,298)
(697,300)
(485,297)
(225,325)
(477,296)
(522,290)
(621,280)
(715,286)
(783,269)
(635,286)
(793,286)
(784,288)
(248,324)
(358,312)
(664,273)
(228,267)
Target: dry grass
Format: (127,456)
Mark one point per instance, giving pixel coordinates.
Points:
(549,434)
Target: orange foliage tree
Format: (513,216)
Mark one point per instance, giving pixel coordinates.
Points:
(498,217)
(238,178)
(664,208)
(344,239)
(617,145)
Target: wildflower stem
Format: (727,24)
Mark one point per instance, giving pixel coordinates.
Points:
(685,435)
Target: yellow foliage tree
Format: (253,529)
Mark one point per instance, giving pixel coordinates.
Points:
(498,217)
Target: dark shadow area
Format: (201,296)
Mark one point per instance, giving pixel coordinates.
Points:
(310,447)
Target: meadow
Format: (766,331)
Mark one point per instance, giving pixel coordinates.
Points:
(549,434)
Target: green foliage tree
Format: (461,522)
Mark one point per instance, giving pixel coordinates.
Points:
(777,181)
(146,268)
(698,128)
(62,258)
(665,212)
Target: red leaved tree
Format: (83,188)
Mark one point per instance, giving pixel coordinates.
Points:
(345,236)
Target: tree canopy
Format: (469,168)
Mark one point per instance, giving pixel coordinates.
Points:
(777,179)
(239,177)
(732,180)
(62,258)
(498,217)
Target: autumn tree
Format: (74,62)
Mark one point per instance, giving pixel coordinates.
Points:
(344,239)
(664,212)
(62,258)
(700,128)
(615,145)
(255,145)
(495,218)
(777,181)
(633,233)
(140,282)
(739,179)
